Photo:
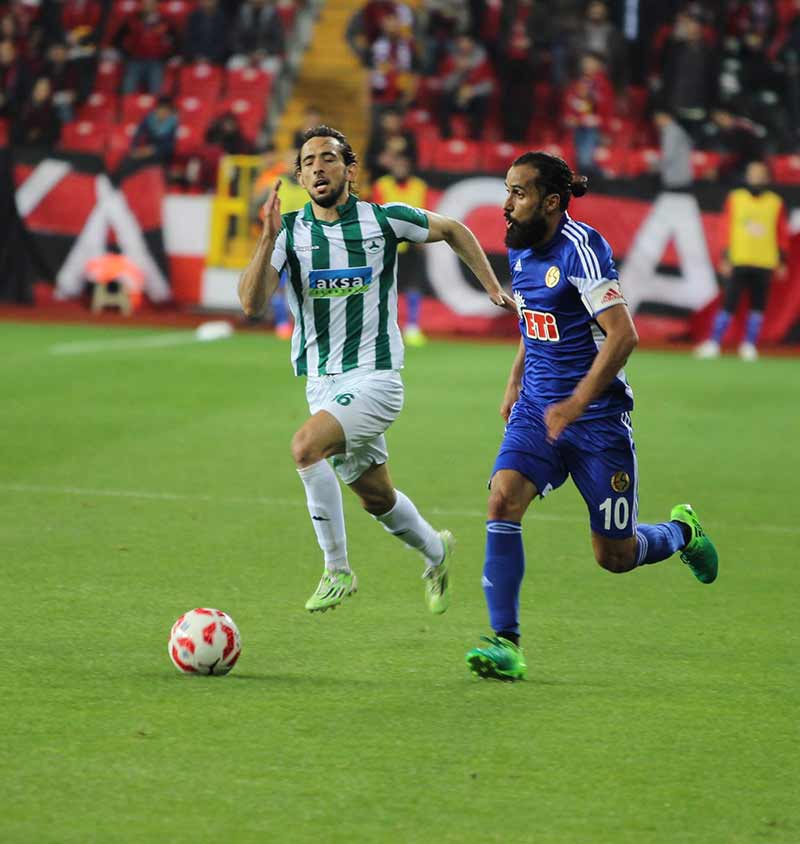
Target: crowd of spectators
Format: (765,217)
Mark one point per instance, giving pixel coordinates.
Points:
(53,54)
(721,76)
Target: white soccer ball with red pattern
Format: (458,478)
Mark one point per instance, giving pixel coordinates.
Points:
(204,641)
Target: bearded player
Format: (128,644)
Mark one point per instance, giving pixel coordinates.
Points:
(567,406)
(341,254)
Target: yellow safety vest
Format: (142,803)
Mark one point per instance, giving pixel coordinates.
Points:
(753,229)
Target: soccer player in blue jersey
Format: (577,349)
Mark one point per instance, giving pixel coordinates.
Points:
(567,406)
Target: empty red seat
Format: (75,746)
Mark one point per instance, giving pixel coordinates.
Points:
(248,82)
(136,106)
(496,156)
(188,142)
(249,114)
(427,140)
(193,111)
(84,136)
(785,169)
(641,160)
(457,155)
(100,107)
(109,74)
(612,161)
(705,164)
(119,143)
(200,79)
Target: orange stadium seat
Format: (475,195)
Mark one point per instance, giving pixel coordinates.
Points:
(457,156)
(136,106)
(200,79)
(84,136)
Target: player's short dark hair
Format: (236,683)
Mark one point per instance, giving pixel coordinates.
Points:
(327,132)
(555,176)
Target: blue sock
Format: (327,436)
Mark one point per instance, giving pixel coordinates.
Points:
(279,309)
(502,574)
(721,323)
(658,542)
(754,320)
(413,300)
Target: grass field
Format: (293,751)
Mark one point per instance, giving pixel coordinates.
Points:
(140,481)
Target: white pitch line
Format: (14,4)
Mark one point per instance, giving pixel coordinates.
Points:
(151,341)
(293,502)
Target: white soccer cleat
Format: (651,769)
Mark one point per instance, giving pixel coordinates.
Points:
(748,352)
(707,350)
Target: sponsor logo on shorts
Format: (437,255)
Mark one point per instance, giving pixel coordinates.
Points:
(539,325)
(325,284)
(620,481)
(552,276)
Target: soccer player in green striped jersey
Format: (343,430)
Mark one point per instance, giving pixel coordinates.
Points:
(341,254)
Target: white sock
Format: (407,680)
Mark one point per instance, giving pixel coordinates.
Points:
(405,522)
(324,498)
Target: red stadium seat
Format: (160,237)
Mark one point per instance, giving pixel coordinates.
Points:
(119,143)
(705,165)
(4,134)
(785,169)
(100,107)
(287,9)
(188,142)
(170,85)
(612,161)
(249,114)
(417,117)
(136,106)
(640,161)
(177,12)
(195,112)
(457,156)
(200,79)
(109,74)
(251,83)
(84,136)
(496,156)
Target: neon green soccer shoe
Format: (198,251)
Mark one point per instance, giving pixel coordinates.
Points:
(502,660)
(437,578)
(333,588)
(700,554)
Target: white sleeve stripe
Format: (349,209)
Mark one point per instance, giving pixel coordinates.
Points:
(402,229)
(584,239)
(579,251)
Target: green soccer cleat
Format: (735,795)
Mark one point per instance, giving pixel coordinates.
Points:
(700,554)
(437,578)
(333,588)
(503,660)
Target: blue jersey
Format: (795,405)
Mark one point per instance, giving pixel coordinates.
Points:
(560,289)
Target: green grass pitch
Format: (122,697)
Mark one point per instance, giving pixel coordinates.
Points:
(141,481)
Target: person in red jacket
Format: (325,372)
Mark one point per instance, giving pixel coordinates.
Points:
(467,85)
(148,40)
(588,105)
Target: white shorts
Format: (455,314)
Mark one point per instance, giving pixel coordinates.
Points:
(364,403)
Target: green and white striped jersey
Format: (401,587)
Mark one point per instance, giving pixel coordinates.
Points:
(343,284)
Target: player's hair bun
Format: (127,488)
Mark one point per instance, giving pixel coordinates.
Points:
(579,185)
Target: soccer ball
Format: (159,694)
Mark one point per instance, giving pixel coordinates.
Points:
(204,641)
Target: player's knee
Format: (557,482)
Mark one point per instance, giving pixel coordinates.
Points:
(615,561)
(503,506)
(304,450)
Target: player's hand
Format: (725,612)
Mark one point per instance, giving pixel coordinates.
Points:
(272,214)
(509,400)
(557,416)
(503,300)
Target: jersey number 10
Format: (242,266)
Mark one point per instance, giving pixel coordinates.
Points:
(621,513)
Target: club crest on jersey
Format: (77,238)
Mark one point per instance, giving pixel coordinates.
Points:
(539,325)
(326,284)
(552,276)
(373,245)
(620,481)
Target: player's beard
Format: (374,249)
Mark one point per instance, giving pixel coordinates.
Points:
(523,235)
(332,198)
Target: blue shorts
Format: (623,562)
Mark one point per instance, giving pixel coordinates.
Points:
(598,453)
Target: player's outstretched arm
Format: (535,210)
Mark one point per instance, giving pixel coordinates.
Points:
(464,243)
(621,340)
(260,279)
